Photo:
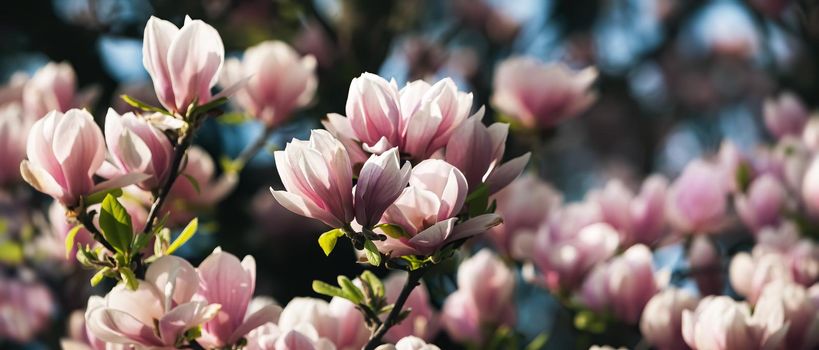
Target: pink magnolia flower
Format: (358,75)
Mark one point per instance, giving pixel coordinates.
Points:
(419,119)
(272,337)
(720,323)
(53,87)
(478,150)
(427,211)
(638,219)
(279,81)
(81,339)
(137,146)
(64,152)
(187,198)
(624,285)
(762,204)
(779,255)
(338,322)
(381,180)
(537,94)
(697,200)
(11,91)
(14,127)
(810,187)
(800,306)
(318,179)
(785,115)
(184,63)
(485,298)
(226,281)
(564,257)
(157,313)
(409,343)
(423,321)
(25,309)
(706,265)
(661,322)
(524,205)
(810,134)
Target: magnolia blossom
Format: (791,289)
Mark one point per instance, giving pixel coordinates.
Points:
(524,205)
(785,115)
(381,180)
(801,311)
(485,298)
(423,321)
(419,119)
(706,265)
(810,187)
(81,339)
(278,81)
(53,87)
(318,179)
(661,322)
(409,343)
(623,285)
(14,127)
(697,200)
(137,146)
(197,189)
(780,255)
(537,94)
(478,150)
(810,134)
(427,211)
(720,323)
(184,63)
(272,337)
(638,219)
(762,204)
(25,309)
(337,322)
(157,313)
(226,281)
(64,152)
(564,257)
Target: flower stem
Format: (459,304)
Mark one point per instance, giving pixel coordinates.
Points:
(413,280)
(84,219)
(162,194)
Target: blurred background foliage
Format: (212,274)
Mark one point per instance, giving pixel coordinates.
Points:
(676,77)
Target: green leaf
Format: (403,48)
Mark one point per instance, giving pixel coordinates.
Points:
(11,253)
(95,198)
(141,241)
(351,291)
(372,253)
(231,166)
(142,105)
(326,289)
(186,234)
(744,176)
(586,320)
(69,239)
(478,200)
(328,240)
(194,182)
(234,118)
(115,223)
(414,262)
(393,230)
(539,342)
(208,106)
(129,278)
(99,276)
(369,278)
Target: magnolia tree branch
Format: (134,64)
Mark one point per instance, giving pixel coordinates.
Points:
(162,194)
(85,219)
(413,280)
(254,148)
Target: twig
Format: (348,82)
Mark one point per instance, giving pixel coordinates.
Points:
(162,195)
(413,280)
(84,219)
(254,148)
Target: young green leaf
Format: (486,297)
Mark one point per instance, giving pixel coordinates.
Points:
(142,105)
(99,276)
(392,230)
(478,200)
(11,253)
(97,197)
(350,290)
(328,240)
(129,278)
(194,183)
(198,110)
(115,223)
(186,234)
(372,253)
(69,239)
(326,289)
(370,279)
